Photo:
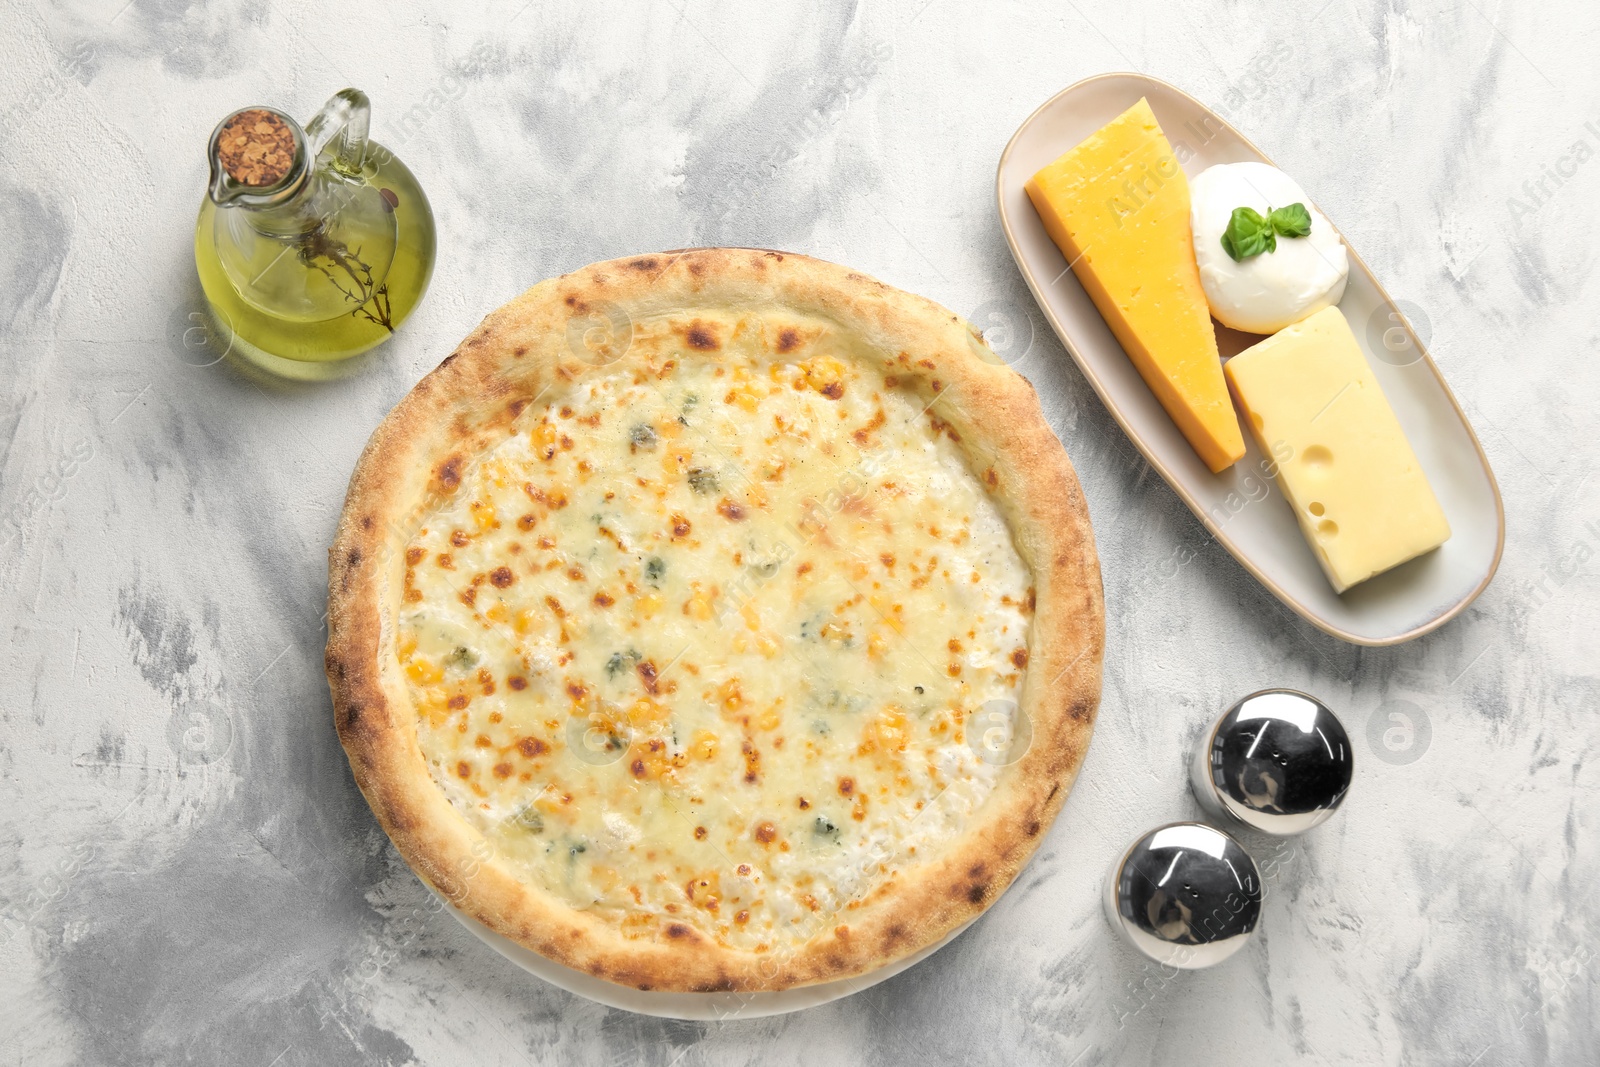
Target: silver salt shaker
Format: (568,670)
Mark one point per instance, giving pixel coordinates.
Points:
(1186,895)
(1278,761)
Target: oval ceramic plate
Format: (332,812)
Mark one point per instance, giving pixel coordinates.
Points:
(705,1007)
(1241,507)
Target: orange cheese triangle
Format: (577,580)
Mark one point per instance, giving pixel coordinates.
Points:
(1118,207)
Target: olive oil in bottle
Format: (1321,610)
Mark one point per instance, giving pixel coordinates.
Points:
(313,245)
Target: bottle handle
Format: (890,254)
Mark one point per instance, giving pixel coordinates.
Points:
(348,116)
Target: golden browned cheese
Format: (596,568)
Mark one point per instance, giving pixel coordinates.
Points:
(706,643)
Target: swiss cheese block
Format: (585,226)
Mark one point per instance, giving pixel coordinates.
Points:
(1346,467)
(1118,207)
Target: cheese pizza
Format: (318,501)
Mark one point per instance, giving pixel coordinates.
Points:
(716,620)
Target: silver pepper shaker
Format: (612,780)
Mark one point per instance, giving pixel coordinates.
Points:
(1278,761)
(1186,895)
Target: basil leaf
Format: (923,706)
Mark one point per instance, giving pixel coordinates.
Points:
(1291,221)
(1252,244)
(1247,234)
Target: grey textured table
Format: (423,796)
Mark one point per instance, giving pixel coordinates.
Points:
(188,874)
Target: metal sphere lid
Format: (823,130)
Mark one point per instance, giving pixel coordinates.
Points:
(1186,895)
(1279,761)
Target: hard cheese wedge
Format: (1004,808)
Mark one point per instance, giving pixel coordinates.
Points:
(1118,208)
(1344,463)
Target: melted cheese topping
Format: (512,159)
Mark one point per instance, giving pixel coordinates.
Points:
(703,643)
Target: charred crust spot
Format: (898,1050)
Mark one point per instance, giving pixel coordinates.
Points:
(516,406)
(354,557)
(520,351)
(517,682)
(696,267)
(677,930)
(1019,658)
(647,263)
(730,511)
(1053,791)
(766,833)
(788,339)
(699,833)
(774,255)
(450,472)
(1032,828)
(895,934)
(976,892)
(1082,710)
(532,747)
(637,767)
(975,871)
(991,478)
(847,786)
(501,577)
(366,522)
(833,390)
(701,337)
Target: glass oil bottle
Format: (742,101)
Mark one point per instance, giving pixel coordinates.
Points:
(313,244)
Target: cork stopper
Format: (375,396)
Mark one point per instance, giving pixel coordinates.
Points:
(256,147)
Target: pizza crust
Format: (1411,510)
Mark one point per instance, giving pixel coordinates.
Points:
(564,328)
